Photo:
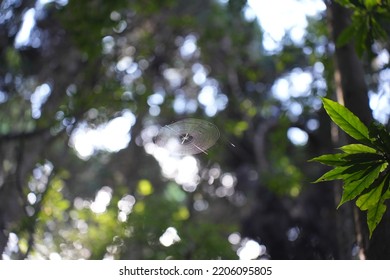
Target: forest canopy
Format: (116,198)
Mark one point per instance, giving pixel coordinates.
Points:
(92,91)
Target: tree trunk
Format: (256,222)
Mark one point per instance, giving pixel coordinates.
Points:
(351,91)
(351,88)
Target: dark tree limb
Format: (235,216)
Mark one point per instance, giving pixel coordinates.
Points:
(352,92)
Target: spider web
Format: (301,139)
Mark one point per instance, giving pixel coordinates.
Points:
(188,137)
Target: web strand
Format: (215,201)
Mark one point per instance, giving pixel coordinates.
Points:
(196,146)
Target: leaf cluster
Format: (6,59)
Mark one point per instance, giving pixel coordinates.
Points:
(363,167)
(366,23)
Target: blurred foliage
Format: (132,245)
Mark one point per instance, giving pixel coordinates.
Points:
(367,26)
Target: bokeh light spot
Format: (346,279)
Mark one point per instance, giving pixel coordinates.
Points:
(144,187)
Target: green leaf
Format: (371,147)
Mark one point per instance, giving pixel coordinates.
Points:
(356,172)
(331,159)
(359,167)
(380,137)
(342,2)
(370,199)
(346,120)
(386,195)
(363,158)
(345,36)
(361,23)
(346,3)
(354,188)
(376,210)
(348,159)
(370,3)
(356,3)
(374,216)
(334,174)
(378,31)
(357,148)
